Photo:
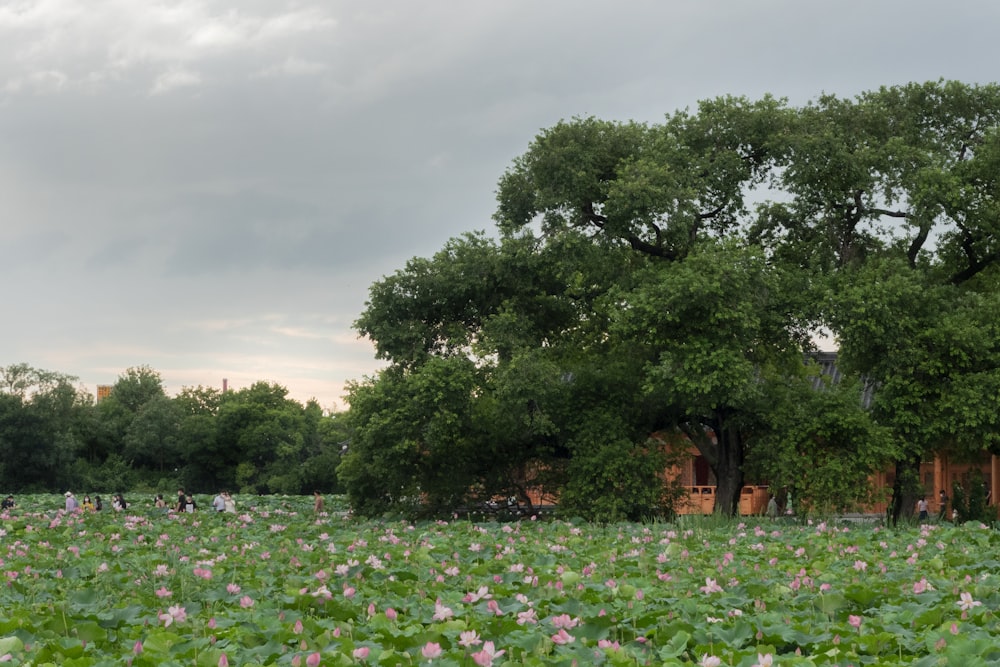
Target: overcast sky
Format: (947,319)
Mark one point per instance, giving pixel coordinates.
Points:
(209,188)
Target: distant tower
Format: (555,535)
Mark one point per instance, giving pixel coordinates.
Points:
(103,391)
(225,385)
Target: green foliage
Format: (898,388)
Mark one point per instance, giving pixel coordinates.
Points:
(52,436)
(612,479)
(821,444)
(114,475)
(258,587)
(970,501)
(413,438)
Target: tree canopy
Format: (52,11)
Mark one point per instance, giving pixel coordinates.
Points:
(54,436)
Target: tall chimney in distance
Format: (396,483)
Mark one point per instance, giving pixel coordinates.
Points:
(225,385)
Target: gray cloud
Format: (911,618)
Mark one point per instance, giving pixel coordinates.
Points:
(210,188)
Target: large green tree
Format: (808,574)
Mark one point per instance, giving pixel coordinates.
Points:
(666,191)
(893,196)
(699,257)
(502,368)
(723,340)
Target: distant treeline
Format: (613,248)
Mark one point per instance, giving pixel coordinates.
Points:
(55,436)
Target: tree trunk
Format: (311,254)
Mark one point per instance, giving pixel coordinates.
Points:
(906,489)
(729,471)
(724,456)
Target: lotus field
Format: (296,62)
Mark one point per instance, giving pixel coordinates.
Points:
(275,584)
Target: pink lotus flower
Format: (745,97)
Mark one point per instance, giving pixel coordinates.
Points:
(966,603)
(313,660)
(361,653)
(173,614)
(482,594)
(527,616)
(246,601)
(710,661)
(486,657)
(431,650)
(710,586)
(469,638)
(297,627)
(162,592)
(390,613)
(562,637)
(441,612)
(233,589)
(764,660)
(223,661)
(854,621)
(564,621)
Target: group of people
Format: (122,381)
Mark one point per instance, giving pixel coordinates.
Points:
(923,506)
(118,503)
(223,502)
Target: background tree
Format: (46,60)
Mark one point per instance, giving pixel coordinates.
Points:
(722,341)
(42,436)
(150,441)
(821,444)
(662,191)
(501,383)
(325,438)
(258,431)
(134,420)
(904,179)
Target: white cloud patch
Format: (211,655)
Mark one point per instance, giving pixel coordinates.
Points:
(106,39)
(179,78)
(293,66)
(47,81)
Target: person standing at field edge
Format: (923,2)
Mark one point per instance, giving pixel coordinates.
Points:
(71,503)
(772,508)
(318,505)
(942,505)
(181,500)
